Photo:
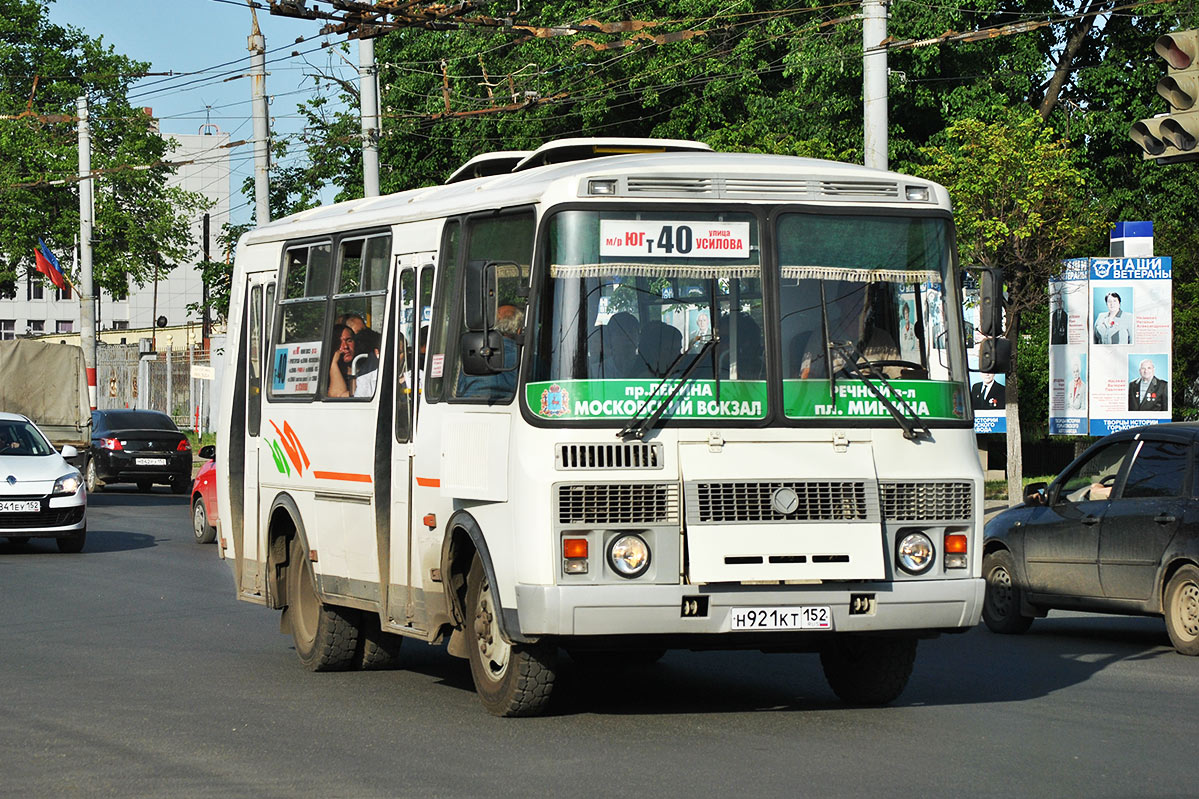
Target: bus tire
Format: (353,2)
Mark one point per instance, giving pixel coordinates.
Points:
(377,649)
(868,671)
(511,679)
(326,636)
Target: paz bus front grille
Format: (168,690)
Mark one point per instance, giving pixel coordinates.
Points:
(618,503)
(753,501)
(922,501)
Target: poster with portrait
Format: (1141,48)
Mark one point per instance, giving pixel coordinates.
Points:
(1130,342)
(909,344)
(1070,331)
(988,392)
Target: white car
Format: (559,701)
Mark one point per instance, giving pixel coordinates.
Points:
(41,495)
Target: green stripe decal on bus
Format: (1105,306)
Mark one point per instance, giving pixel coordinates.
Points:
(812,399)
(621,399)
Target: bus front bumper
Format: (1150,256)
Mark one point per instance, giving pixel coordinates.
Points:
(617,610)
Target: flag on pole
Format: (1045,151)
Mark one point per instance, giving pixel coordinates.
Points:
(47,264)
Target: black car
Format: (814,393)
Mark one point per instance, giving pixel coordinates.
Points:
(143,447)
(1116,532)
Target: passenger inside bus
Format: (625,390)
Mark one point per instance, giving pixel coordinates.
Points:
(343,358)
(618,346)
(366,363)
(659,346)
(509,323)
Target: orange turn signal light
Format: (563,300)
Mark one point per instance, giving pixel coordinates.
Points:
(574,547)
(430,520)
(955,542)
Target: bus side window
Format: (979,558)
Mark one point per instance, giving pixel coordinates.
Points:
(297,335)
(254,364)
(359,298)
(443,311)
(507,239)
(406,308)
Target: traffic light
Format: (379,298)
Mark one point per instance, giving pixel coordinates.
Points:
(1173,137)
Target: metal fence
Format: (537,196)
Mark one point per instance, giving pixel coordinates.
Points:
(182,383)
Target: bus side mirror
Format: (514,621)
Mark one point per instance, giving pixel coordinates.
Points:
(990,303)
(481,299)
(995,355)
(482,352)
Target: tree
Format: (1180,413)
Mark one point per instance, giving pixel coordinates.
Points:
(1021,204)
(139,219)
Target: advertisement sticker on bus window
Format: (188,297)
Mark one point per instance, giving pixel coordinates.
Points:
(673,239)
(437,366)
(295,367)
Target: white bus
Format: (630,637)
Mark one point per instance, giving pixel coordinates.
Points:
(608,398)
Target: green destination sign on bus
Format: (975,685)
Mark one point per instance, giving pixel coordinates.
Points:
(812,399)
(620,399)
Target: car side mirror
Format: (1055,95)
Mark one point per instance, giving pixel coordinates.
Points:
(1036,494)
(208,452)
(69,451)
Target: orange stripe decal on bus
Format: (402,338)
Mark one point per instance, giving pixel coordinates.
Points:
(347,476)
(428,482)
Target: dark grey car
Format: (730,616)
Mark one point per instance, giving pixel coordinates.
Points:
(135,446)
(1116,532)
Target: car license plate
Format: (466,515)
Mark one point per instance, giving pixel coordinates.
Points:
(807,617)
(150,461)
(20,506)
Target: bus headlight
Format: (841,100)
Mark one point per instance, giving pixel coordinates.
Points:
(915,553)
(628,556)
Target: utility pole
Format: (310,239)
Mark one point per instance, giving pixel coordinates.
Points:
(206,330)
(262,153)
(874,83)
(368,91)
(87,317)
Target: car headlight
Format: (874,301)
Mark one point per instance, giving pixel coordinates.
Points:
(629,556)
(67,485)
(915,553)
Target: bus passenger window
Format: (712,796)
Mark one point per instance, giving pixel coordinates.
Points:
(297,338)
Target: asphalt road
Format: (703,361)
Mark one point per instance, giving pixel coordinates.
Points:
(130,670)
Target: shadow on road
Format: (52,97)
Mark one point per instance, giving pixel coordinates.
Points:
(97,541)
(120,495)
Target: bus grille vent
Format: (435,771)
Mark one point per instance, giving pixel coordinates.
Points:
(760,186)
(912,502)
(670,187)
(859,188)
(754,501)
(633,455)
(618,503)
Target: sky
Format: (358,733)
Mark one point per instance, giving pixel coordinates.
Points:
(185,36)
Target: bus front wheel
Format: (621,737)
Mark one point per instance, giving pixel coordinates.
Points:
(326,636)
(868,671)
(511,679)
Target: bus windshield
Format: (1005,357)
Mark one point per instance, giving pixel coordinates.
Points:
(629,299)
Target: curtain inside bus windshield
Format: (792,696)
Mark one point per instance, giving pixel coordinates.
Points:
(865,295)
(632,301)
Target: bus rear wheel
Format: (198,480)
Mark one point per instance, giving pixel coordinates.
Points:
(326,636)
(511,679)
(868,671)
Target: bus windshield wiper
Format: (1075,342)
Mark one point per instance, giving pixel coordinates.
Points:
(913,425)
(638,427)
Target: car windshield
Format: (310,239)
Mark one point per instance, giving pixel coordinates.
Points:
(137,420)
(22,438)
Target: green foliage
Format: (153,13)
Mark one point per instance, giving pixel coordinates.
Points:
(139,222)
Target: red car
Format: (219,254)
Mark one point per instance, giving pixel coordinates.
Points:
(204,511)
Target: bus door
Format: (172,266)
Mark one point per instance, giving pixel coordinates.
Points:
(249,551)
(413,308)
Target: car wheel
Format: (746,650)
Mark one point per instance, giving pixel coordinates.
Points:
(1181,608)
(72,543)
(868,671)
(145,485)
(201,529)
(1001,605)
(326,636)
(91,478)
(511,679)
(181,484)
